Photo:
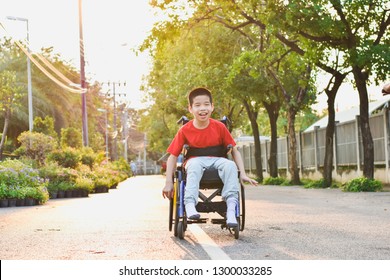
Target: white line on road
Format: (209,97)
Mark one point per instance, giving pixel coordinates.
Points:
(211,248)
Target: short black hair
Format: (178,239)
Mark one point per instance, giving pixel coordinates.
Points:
(199,91)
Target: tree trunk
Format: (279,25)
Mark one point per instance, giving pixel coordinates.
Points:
(273,114)
(256,134)
(330,129)
(368,144)
(4,135)
(292,148)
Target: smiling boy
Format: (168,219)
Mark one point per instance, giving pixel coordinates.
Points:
(202,132)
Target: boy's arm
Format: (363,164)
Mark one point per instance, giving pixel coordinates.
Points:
(167,191)
(240,165)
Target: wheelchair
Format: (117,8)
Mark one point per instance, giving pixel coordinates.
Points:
(210,189)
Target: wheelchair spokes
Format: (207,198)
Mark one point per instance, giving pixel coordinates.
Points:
(208,203)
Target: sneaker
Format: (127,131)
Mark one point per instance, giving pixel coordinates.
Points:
(192,214)
(231,220)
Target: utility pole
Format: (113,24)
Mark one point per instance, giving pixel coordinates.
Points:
(82,80)
(125,132)
(115,144)
(145,143)
(115,150)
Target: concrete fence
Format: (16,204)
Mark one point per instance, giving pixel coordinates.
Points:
(348,151)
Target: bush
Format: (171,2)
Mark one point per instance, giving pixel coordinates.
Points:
(66,157)
(50,171)
(55,173)
(102,184)
(275,181)
(20,181)
(65,186)
(41,195)
(362,185)
(45,126)
(123,167)
(71,137)
(88,157)
(3,190)
(52,187)
(84,183)
(319,184)
(35,146)
(15,173)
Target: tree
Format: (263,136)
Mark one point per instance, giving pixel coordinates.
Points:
(296,96)
(10,95)
(45,126)
(71,137)
(186,57)
(248,19)
(245,87)
(250,96)
(358,31)
(49,99)
(36,146)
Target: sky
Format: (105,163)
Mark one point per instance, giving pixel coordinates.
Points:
(111,29)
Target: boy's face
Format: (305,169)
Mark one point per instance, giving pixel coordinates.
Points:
(201,108)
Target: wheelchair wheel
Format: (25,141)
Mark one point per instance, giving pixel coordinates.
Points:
(241,222)
(175,208)
(171,207)
(236,230)
(180,229)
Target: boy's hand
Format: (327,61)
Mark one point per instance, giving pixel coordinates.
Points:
(167,191)
(246,179)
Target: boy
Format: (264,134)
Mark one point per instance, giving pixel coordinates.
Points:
(202,132)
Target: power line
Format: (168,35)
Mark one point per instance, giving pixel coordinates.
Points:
(70,86)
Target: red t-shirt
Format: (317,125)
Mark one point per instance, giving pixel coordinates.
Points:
(215,134)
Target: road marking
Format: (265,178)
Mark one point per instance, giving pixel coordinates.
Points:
(211,248)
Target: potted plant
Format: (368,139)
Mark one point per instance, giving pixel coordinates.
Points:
(36,195)
(3,195)
(13,194)
(65,189)
(102,184)
(41,195)
(30,199)
(61,187)
(52,188)
(20,197)
(84,185)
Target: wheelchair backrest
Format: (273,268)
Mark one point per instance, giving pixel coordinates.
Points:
(225,120)
(216,151)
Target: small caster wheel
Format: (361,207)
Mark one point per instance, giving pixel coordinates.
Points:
(180,230)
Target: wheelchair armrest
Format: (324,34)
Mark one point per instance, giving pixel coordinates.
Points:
(183,120)
(185,150)
(229,149)
(225,120)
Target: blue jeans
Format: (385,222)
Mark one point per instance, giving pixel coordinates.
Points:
(227,171)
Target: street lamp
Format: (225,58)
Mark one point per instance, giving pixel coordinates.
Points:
(84,115)
(30,105)
(105,111)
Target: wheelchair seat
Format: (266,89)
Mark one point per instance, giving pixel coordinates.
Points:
(210,179)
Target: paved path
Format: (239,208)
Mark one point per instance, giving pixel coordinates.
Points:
(131,223)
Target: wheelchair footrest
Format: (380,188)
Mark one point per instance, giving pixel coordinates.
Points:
(207,207)
(199,221)
(218,221)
